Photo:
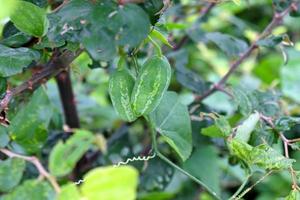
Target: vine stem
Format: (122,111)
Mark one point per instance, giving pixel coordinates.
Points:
(164,158)
(252,186)
(156,46)
(239,190)
(277,19)
(35,161)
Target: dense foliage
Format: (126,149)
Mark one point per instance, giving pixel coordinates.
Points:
(150,100)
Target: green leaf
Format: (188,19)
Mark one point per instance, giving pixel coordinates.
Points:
(171,119)
(247,101)
(7,7)
(295,12)
(157,176)
(268,158)
(68,192)
(280,5)
(243,131)
(11,172)
(12,61)
(31,190)
(241,149)
(263,155)
(99,43)
(4,138)
(158,35)
(206,159)
(227,43)
(135,25)
(290,81)
(30,19)
(29,126)
(293,195)
(221,128)
(64,156)
(271,41)
(110,183)
(285,123)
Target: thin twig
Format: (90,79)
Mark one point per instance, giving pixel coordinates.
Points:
(252,186)
(286,143)
(43,172)
(239,190)
(277,19)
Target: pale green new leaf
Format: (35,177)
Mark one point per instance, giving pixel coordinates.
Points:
(64,156)
(243,131)
(158,35)
(262,156)
(294,195)
(110,183)
(7,7)
(221,128)
(68,192)
(268,158)
(171,119)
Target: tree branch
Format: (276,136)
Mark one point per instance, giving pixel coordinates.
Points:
(277,19)
(58,63)
(35,161)
(68,99)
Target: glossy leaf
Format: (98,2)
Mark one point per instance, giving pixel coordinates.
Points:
(12,61)
(64,156)
(32,132)
(30,19)
(11,172)
(110,183)
(171,119)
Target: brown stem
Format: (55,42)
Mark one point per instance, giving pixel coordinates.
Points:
(277,19)
(286,143)
(43,172)
(67,98)
(57,64)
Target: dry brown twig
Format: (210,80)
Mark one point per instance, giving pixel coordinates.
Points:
(277,19)
(35,161)
(286,144)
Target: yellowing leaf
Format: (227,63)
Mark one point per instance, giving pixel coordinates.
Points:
(110,183)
